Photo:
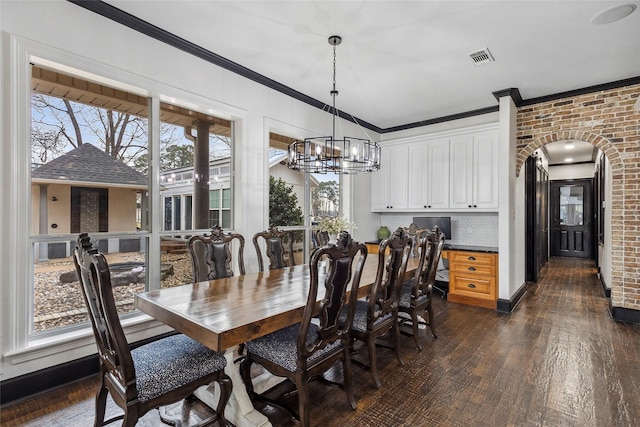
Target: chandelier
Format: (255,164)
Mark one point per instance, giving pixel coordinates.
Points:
(328,154)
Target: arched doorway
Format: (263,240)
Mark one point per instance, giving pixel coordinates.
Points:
(615,204)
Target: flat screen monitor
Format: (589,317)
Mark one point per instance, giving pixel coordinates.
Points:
(444,222)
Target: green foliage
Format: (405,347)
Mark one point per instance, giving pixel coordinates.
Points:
(176,157)
(283,204)
(325,198)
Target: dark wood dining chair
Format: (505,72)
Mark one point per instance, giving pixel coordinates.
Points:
(152,375)
(211,254)
(415,233)
(416,294)
(278,246)
(309,348)
(378,315)
(320,237)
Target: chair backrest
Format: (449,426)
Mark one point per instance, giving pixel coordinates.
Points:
(393,255)
(415,234)
(430,247)
(340,272)
(278,247)
(115,358)
(437,237)
(425,246)
(211,255)
(320,237)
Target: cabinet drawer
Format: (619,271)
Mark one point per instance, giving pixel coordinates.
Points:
(471,285)
(472,258)
(470,268)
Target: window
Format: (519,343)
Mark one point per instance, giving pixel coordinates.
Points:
(295,195)
(220,208)
(196,184)
(89,174)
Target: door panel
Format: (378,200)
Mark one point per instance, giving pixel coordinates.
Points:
(572,210)
(537,223)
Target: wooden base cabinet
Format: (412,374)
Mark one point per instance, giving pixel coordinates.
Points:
(473,278)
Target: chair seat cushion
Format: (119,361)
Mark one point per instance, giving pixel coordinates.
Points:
(405,296)
(172,362)
(360,317)
(280,347)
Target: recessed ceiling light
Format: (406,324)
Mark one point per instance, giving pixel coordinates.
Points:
(568,160)
(613,14)
(569,145)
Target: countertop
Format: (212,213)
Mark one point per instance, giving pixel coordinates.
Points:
(456,247)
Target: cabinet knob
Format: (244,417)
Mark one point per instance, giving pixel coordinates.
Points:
(475,206)
(471,285)
(469,205)
(429,205)
(472,269)
(471,258)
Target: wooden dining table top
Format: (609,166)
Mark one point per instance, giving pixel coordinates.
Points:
(223,313)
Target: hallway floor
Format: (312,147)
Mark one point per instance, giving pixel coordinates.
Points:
(557,360)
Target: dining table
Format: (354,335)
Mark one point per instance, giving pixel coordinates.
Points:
(224,313)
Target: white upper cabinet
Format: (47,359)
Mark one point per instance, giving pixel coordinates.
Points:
(474,172)
(389,185)
(485,188)
(428,175)
(448,171)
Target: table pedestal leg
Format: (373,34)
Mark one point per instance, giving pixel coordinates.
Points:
(240,410)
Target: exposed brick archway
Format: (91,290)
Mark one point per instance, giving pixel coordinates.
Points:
(597,140)
(609,120)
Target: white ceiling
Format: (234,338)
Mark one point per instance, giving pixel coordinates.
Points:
(403,62)
(560,152)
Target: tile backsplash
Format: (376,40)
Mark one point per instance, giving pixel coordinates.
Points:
(473,229)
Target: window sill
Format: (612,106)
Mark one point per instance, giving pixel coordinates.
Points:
(81,342)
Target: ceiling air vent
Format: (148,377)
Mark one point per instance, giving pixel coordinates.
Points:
(479,57)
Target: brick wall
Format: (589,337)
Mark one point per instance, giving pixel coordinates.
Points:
(610,120)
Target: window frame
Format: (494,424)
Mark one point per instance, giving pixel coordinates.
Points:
(22,344)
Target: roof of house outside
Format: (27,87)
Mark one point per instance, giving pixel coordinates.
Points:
(87,163)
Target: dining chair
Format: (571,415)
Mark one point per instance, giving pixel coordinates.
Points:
(320,237)
(415,233)
(416,294)
(378,314)
(278,248)
(162,372)
(311,347)
(211,254)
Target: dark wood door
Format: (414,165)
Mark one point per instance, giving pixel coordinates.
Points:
(542,217)
(537,222)
(572,218)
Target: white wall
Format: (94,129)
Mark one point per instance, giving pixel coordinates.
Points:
(41,32)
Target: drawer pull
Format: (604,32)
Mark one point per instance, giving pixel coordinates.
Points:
(471,285)
(472,269)
(471,258)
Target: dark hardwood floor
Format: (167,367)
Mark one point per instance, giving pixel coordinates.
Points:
(557,360)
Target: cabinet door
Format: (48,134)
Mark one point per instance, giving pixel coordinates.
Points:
(486,171)
(438,174)
(417,186)
(389,185)
(429,175)
(461,173)
(379,181)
